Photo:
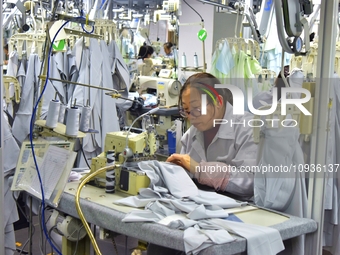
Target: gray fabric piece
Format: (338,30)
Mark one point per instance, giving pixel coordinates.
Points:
(202,235)
(213,198)
(142,216)
(171,176)
(135,201)
(182,224)
(10,247)
(161,208)
(10,145)
(207,212)
(260,240)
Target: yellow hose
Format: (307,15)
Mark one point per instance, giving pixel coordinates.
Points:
(81,215)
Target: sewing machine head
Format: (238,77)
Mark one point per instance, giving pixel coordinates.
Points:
(143,144)
(167,90)
(129,179)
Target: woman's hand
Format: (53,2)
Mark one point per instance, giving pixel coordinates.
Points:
(184,161)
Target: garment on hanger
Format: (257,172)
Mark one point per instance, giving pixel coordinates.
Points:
(21,124)
(284,191)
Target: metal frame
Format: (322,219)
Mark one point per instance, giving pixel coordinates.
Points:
(325,70)
(2,192)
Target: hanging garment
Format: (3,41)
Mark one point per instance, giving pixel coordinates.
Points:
(225,61)
(21,124)
(12,70)
(54,89)
(331,235)
(9,163)
(282,189)
(295,80)
(10,146)
(263,98)
(233,145)
(121,76)
(95,96)
(109,116)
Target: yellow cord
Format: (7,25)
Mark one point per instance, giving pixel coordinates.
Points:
(80,213)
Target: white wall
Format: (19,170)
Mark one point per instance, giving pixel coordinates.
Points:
(188,40)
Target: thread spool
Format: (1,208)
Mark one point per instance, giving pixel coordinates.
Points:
(184,60)
(85,119)
(195,61)
(110,174)
(61,118)
(53,114)
(72,121)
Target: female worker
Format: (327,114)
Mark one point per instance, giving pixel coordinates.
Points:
(168,50)
(219,146)
(218,149)
(145,51)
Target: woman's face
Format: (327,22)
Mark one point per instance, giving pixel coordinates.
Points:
(192,104)
(167,51)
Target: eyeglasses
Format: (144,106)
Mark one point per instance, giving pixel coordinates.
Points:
(196,112)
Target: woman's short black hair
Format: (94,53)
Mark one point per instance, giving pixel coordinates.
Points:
(168,45)
(205,82)
(144,51)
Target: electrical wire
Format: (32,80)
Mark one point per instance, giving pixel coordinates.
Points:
(50,236)
(77,201)
(76,248)
(31,139)
(193,10)
(83,153)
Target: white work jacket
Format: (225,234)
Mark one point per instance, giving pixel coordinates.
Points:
(232,145)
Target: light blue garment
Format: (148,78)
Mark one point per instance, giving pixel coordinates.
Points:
(282,190)
(12,70)
(21,124)
(109,116)
(225,61)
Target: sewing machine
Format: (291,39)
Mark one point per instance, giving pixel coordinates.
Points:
(167,90)
(129,178)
